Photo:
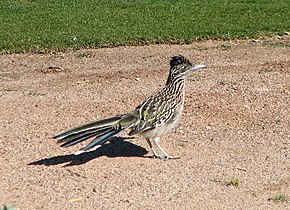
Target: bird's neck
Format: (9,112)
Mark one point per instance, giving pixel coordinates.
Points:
(175,86)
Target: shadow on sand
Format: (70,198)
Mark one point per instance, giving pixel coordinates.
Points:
(117,147)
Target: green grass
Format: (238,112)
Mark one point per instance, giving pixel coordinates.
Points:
(277,44)
(39,25)
(234,181)
(280,198)
(7,207)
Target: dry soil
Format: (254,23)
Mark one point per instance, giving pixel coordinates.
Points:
(235,125)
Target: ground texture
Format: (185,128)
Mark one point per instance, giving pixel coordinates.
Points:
(235,125)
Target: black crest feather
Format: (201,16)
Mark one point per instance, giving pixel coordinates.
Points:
(179,59)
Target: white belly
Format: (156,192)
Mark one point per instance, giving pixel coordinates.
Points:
(159,131)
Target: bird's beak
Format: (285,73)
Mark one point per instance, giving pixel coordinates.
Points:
(197,67)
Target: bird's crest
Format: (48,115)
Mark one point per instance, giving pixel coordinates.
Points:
(178,59)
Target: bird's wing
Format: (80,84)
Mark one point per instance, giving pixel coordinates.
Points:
(153,112)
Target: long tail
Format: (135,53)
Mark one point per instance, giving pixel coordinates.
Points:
(103,130)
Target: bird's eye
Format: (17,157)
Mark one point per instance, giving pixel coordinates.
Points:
(183,69)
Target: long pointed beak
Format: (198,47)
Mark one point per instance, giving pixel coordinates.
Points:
(197,67)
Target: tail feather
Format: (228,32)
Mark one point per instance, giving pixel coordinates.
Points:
(103,130)
(72,136)
(82,137)
(100,140)
(77,140)
(89,126)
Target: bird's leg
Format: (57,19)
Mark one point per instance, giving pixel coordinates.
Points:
(156,142)
(165,155)
(155,154)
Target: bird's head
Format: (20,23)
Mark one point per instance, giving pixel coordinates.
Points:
(181,66)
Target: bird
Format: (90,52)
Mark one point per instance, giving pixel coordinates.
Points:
(152,119)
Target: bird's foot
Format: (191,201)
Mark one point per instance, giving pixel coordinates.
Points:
(165,157)
(172,157)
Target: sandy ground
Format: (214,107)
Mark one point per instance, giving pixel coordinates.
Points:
(235,125)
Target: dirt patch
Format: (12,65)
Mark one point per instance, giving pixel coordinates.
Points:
(235,126)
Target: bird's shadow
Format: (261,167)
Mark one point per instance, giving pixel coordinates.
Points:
(116,147)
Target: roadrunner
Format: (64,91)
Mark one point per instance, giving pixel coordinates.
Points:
(151,119)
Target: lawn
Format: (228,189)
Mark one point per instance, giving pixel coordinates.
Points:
(40,25)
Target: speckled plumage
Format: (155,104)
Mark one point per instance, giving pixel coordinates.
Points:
(152,119)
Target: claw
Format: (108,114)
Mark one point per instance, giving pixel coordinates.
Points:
(165,157)
(172,157)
